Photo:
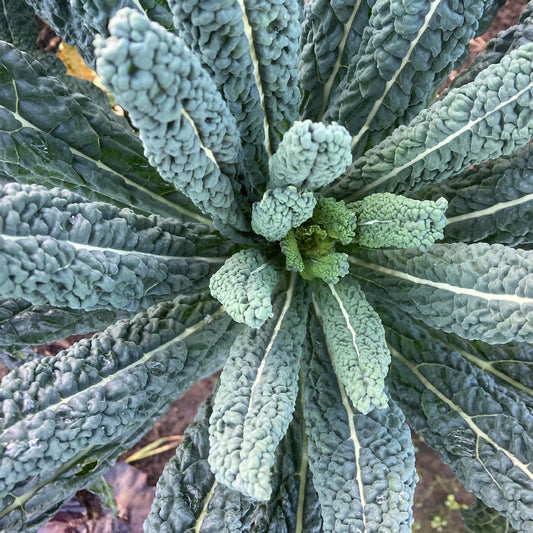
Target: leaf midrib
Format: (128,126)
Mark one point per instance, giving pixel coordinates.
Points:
(363,191)
(26,123)
(519,300)
(464,416)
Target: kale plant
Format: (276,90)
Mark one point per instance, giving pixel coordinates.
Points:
(287,198)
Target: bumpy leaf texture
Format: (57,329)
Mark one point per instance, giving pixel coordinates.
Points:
(188,498)
(65,419)
(23,324)
(492,202)
(362,465)
(249,421)
(481,428)
(186,128)
(76,142)
(487,118)
(57,248)
(479,291)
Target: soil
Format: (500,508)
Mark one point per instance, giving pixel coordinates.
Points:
(439,496)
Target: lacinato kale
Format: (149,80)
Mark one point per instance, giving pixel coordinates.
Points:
(283,194)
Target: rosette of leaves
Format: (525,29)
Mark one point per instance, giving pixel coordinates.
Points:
(273,203)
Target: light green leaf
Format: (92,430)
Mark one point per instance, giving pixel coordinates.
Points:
(478,291)
(363,465)
(388,220)
(356,341)
(244,285)
(254,403)
(104,491)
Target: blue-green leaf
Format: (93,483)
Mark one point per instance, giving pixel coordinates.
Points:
(480,428)
(506,40)
(479,518)
(272,28)
(492,202)
(23,324)
(188,498)
(406,52)
(188,132)
(244,285)
(331,36)
(254,403)
(356,342)
(363,465)
(215,30)
(478,291)
(487,118)
(293,505)
(58,249)
(65,419)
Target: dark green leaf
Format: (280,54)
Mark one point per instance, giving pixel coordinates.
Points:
(363,465)
(66,23)
(54,137)
(76,412)
(23,324)
(188,498)
(407,50)
(483,430)
(331,36)
(492,202)
(479,518)
(506,40)
(18,25)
